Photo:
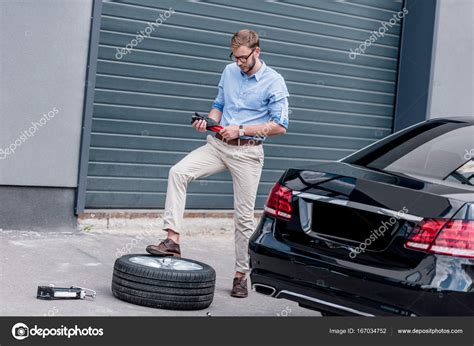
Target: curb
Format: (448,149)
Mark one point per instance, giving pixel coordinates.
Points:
(197,222)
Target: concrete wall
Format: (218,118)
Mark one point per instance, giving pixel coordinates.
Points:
(43,62)
(452,76)
(37,208)
(44,45)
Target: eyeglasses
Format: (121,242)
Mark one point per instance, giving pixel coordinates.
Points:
(243,59)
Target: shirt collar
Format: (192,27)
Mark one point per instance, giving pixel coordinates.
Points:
(257,74)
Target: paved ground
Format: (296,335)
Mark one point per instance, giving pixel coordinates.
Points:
(86,258)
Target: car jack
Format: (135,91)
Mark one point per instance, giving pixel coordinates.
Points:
(51,292)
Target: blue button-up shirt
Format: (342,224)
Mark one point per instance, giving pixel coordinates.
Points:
(253,100)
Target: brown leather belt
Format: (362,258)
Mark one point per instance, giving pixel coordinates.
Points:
(238,141)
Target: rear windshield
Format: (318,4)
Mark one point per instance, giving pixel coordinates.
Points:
(439,150)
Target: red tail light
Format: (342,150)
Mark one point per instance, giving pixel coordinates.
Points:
(454,237)
(278,202)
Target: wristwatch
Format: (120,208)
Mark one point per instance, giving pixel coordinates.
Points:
(241,131)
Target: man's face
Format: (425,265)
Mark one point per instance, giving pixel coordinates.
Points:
(243,52)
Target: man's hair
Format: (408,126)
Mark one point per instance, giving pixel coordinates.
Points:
(245,37)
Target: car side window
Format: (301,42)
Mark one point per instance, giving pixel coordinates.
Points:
(439,150)
(464,174)
(438,157)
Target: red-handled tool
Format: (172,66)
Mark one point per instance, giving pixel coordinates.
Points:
(211,124)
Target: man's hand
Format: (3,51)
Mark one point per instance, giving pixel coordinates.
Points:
(200,125)
(230,132)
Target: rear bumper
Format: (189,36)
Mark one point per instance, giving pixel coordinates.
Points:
(280,271)
(305,296)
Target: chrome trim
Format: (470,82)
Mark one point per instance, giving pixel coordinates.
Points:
(306,215)
(266,286)
(323,302)
(357,205)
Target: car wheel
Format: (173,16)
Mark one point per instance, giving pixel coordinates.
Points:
(163,282)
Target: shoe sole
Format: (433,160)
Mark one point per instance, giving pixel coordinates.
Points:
(239,296)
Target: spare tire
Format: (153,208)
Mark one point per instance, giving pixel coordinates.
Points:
(163,282)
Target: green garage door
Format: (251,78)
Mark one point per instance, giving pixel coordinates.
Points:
(144,99)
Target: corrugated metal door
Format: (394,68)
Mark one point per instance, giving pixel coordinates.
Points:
(145,98)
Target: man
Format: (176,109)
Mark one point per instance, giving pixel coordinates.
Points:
(251,104)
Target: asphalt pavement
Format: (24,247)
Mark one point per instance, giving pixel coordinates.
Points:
(86,257)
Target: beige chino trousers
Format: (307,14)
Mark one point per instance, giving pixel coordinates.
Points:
(244,164)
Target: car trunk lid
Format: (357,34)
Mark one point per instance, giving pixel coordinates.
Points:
(351,212)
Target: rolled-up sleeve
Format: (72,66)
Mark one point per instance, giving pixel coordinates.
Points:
(278,103)
(219,101)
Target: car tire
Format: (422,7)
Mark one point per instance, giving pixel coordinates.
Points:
(163,282)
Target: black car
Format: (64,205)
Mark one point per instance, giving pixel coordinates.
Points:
(388,230)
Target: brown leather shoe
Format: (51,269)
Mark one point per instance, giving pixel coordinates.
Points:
(166,248)
(239,289)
